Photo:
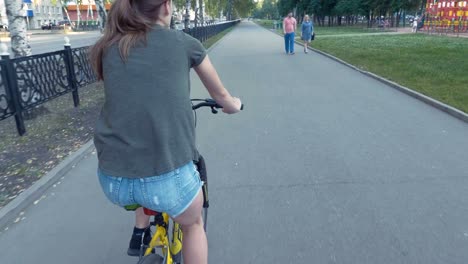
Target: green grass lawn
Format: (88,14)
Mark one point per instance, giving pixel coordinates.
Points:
(434,66)
(209,42)
(323,31)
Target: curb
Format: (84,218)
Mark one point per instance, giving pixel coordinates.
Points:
(12,210)
(46,33)
(426,99)
(35,192)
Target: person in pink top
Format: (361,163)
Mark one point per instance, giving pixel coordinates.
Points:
(289,28)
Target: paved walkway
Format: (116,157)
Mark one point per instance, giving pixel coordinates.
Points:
(325,165)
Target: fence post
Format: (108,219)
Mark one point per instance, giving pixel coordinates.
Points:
(71,72)
(12,89)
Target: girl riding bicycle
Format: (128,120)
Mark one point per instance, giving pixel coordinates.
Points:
(145,135)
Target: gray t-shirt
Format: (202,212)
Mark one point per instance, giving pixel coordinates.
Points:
(146,126)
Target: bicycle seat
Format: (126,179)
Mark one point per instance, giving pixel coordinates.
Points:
(147,211)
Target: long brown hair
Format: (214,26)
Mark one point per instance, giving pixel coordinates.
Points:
(128,22)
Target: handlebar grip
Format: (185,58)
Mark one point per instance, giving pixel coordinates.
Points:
(242,107)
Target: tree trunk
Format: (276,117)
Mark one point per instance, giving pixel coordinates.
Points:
(197,12)
(17,26)
(398,18)
(102,14)
(78,13)
(65,10)
(404,18)
(187,14)
(202,12)
(87,12)
(20,48)
(229,10)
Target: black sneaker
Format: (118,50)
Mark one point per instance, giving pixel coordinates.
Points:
(135,243)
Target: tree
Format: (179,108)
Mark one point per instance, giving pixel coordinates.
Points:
(64,6)
(214,7)
(102,14)
(268,10)
(243,8)
(347,7)
(285,6)
(334,10)
(17,26)
(179,4)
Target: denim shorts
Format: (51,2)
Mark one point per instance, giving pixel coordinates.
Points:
(172,192)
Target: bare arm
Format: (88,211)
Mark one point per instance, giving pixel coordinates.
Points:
(215,87)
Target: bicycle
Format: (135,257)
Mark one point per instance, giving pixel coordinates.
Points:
(171,246)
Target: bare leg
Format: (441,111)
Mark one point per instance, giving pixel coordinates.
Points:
(141,220)
(195,244)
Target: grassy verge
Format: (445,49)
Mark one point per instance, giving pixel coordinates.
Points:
(432,65)
(50,138)
(209,42)
(325,31)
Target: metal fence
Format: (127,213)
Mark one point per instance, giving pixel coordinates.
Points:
(208,31)
(30,81)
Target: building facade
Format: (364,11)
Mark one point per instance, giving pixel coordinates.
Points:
(85,12)
(36,12)
(43,12)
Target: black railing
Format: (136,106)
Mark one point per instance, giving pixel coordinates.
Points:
(84,73)
(34,80)
(82,27)
(30,81)
(209,30)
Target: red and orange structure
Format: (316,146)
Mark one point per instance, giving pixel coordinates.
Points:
(446,16)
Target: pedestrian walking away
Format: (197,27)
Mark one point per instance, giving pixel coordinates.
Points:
(289,27)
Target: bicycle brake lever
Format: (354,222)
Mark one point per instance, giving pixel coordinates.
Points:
(214,110)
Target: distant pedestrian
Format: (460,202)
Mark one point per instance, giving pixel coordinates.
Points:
(307,31)
(289,29)
(415,26)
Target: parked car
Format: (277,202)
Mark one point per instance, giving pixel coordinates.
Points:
(4,27)
(64,23)
(48,26)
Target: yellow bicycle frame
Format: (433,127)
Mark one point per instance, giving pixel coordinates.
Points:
(160,239)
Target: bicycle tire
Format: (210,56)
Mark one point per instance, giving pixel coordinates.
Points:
(151,259)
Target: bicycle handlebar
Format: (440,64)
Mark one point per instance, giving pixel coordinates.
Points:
(209,103)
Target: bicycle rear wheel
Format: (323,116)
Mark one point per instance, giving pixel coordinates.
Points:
(151,259)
